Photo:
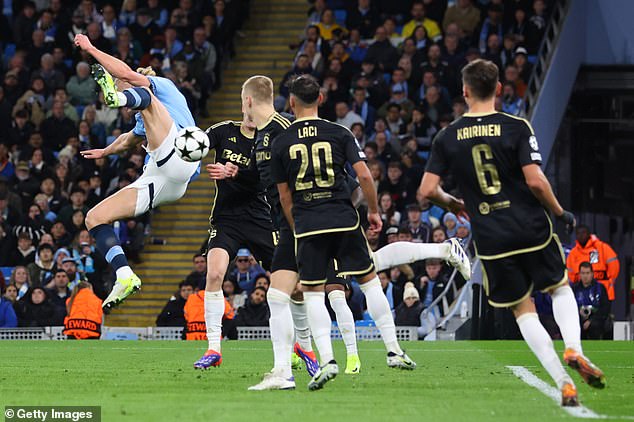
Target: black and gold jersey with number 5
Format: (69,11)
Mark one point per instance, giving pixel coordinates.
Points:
(485,154)
(244,195)
(310,156)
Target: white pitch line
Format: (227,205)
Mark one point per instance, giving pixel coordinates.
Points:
(548,390)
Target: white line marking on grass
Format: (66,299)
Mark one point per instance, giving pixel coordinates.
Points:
(548,390)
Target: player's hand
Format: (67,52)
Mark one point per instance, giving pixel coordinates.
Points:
(93,154)
(217,171)
(374,218)
(232,169)
(457,207)
(83,42)
(569,220)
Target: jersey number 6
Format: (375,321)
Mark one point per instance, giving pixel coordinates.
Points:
(490,185)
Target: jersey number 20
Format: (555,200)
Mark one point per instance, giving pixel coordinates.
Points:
(488,176)
(301,151)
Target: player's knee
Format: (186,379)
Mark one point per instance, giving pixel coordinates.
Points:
(214,278)
(137,98)
(94,218)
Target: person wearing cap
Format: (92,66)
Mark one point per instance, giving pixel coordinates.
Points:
(407,313)
(24,183)
(420,231)
(41,271)
(245,271)
(391,234)
(522,64)
(77,203)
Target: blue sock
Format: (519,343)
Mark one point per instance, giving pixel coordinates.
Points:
(108,245)
(137,98)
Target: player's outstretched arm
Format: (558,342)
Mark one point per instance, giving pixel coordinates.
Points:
(114,66)
(430,188)
(540,186)
(124,142)
(286,199)
(369,192)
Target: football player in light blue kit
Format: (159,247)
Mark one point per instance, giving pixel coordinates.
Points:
(162,112)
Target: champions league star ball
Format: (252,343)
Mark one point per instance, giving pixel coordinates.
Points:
(191,144)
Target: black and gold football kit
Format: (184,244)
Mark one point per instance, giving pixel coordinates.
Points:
(310,156)
(512,231)
(284,256)
(240,214)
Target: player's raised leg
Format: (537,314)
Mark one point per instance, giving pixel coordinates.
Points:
(540,343)
(399,253)
(217,262)
(99,221)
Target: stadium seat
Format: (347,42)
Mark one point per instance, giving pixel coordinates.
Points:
(9,51)
(340,16)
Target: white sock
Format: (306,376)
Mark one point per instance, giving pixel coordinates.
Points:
(540,343)
(302,330)
(214,310)
(379,310)
(399,253)
(567,317)
(345,320)
(124,272)
(281,328)
(123,100)
(319,321)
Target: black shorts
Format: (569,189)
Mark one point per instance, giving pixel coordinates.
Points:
(510,280)
(232,234)
(349,249)
(333,278)
(284,255)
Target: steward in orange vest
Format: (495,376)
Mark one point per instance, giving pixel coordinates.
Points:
(195,316)
(604,260)
(84,313)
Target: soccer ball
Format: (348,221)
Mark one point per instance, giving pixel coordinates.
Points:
(191,144)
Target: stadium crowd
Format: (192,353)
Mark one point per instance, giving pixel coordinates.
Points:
(390,72)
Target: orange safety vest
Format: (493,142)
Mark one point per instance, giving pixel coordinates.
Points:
(84,320)
(195,316)
(604,260)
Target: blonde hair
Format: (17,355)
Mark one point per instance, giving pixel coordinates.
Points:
(260,88)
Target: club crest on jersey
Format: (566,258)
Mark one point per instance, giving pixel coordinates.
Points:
(307,196)
(532,141)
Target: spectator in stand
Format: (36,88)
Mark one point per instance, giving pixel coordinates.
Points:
(593,302)
(255,312)
(536,26)
(23,25)
(58,128)
(8,319)
(521,63)
(24,254)
(494,50)
(59,294)
(35,309)
(395,184)
(173,313)
(382,51)
(438,235)
(407,314)
(419,18)
(389,214)
(433,282)
(262,280)
(246,270)
(420,231)
(364,18)
(604,261)
(512,75)
(234,295)
(84,307)
(302,67)
(77,203)
(362,107)
(327,25)
(53,78)
(11,293)
(110,23)
(464,14)
(144,29)
(315,12)
(345,116)
(41,271)
(198,276)
(492,25)
(511,103)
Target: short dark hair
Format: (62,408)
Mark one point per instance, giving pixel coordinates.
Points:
(481,76)
(186,283)
(305,88)
(196,256)
(585,264)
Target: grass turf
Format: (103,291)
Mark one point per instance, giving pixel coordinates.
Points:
(154,381)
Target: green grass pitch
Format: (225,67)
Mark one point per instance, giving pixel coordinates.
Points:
(154,381)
